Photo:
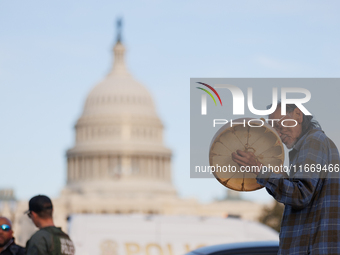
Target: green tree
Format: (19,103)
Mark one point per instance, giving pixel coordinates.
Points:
(272,215)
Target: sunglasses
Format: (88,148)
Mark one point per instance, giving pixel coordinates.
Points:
(5,227)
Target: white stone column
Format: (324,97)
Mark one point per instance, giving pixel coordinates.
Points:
(100,167)
(68,170)
(72,169)
(169,170)
(157,168)
(148,167)
(162,170)
(89,168)
(126,166)
(105,166)
(95,168)
(153,167)
(145,166)
(77,168)
(154,170)
(83,168)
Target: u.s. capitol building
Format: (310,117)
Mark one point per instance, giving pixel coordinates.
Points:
(119,163)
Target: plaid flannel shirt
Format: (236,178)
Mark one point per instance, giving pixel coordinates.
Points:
(311,218)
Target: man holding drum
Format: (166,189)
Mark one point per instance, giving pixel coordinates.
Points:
(311,192)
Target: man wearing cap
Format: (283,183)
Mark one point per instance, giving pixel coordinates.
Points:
(7,244)
(48,240)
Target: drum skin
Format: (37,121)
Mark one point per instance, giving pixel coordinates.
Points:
(263,141)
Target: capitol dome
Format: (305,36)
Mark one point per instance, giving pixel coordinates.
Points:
(119,94)
(119,150)
(119,114)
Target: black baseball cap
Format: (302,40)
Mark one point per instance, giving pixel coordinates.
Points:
(39,203)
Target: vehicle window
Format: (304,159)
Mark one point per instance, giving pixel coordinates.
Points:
(250,251)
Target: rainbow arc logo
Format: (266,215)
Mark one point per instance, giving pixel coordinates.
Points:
(212,89)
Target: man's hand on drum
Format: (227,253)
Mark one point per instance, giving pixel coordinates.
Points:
(247,159)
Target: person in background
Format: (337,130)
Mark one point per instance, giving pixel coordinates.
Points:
(48,240)
(7,244)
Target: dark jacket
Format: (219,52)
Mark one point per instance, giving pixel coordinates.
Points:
(13,249)
(50,241)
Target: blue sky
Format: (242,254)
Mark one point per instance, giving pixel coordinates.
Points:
(53,53)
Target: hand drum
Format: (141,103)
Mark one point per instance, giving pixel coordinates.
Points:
(258,137)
